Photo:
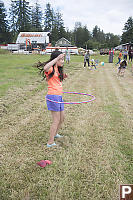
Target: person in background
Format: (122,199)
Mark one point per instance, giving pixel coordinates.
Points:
(119,57)
(125,53)
(130,54)
(67,55)
(122,67)
(111,55)
(87,58)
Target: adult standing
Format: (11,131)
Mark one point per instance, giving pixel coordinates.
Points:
(87,58)
(111,55)
(130,54)
(67,55)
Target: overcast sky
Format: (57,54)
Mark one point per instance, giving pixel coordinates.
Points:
(109,15)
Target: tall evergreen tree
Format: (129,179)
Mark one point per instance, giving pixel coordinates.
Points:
(54,23)
(22,11)
(81,35)
(3,24)
(58,29)
(36,18)
(48,18)
(70,36)
(127,35)
(98,35)
(13,20)
(59,25)
(95,32)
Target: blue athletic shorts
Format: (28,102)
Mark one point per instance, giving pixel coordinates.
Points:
(55,106)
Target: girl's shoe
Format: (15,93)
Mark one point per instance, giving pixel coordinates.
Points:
(58,136)
(51,145)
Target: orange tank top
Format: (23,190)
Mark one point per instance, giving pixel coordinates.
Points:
(54,83)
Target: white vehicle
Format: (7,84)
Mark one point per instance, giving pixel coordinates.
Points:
(72,50)
(13,47)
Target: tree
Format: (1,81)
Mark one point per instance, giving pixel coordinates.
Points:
(81,35)
(93,44)
(95,32)
(13,20)
(54,23)
(60,24)
(22,12)
(49,18)
(69,36)
(111,40)
(127,35)
(36,18)
(58,29)
(3,24)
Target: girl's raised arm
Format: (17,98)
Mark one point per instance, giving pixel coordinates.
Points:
(52,62)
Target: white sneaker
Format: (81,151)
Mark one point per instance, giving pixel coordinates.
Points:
(58,136)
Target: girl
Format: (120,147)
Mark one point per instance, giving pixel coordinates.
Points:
(53,70)
(119,58)
(122,67)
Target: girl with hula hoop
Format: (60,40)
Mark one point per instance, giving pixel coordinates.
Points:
(53,70)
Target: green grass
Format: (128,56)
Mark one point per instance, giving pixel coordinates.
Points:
(95,155)
(14,68)
(17,71)
(4,51)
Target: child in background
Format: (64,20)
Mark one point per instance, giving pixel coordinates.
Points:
(93,63)
(122,67)
(119,58)
(125,53)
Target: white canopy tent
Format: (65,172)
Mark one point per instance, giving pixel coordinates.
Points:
(39,38)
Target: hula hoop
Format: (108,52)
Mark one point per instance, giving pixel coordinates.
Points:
(93,98)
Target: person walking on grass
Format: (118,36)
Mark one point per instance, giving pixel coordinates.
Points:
(87,58)
(53,70)
(119,58)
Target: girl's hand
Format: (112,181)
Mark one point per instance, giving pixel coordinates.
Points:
(53,62)
(61,56)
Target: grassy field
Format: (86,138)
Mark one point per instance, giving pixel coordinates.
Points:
(96,153)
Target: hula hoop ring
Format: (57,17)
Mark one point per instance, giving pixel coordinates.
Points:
(93,98)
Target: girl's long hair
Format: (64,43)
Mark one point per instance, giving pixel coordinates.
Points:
(40,66)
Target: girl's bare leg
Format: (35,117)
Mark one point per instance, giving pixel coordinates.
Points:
(54,126)
(122,72)
(62,116)
(119,71)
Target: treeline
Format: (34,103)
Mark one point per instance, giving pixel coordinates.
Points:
(21,17)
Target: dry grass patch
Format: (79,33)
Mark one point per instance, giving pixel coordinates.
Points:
(89,162)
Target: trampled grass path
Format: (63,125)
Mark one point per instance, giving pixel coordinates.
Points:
(92,159)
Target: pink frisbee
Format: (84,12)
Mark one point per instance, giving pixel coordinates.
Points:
(43,163)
